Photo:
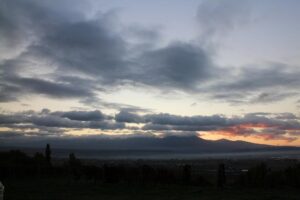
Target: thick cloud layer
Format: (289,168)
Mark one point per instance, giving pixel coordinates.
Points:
(61,51)
(72,119)
(70,43)
(267,126)
(70,50)
(179,65)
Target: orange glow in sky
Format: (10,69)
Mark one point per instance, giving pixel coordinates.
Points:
(255,133)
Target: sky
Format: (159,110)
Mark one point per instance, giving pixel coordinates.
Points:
(214,69)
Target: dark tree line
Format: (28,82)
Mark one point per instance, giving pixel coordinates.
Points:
(16,164)
(261,176)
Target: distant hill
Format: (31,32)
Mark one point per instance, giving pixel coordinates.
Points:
(182,144)
(170,143)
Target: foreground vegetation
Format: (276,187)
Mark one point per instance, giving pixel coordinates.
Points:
(39,177)
(63,189)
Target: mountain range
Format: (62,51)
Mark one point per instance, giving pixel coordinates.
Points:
(183,144)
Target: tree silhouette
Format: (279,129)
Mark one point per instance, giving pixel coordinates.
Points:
(75,166)
(40,163)
(73,161)
(48,154)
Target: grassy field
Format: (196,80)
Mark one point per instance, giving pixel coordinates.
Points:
(65,189)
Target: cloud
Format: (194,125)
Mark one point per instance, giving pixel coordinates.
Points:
(86,47)
(106,125)
(63,51)
(72,119)
(251,124)
(93,52)
(56,121)
(271,97)
(15,87)
(217,18)
(9,134)
(58,90)
(13,118)
(20,134)
(178,65)
(9,92)
(265,83)
(184,120)
(125,116)
(84,115)
(267,126)
(58,41)
(165,121)
(268,75)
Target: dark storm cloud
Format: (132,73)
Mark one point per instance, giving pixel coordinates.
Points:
(56,121)
(63,41)
(125,116)
(280,122)
(106,125)
(84,115)
(86,55)
(165,121)
(50,88)
(72,119)
(86,47)
(179,65)
(23,22)
(13,118)
(71,43)
(9,92)
(14,87)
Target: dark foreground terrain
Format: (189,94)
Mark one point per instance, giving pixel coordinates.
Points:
(56,189)
(41,177)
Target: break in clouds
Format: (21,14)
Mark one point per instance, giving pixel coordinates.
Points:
(69,50)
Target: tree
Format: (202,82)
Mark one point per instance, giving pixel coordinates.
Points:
(73,161)
(48,154)
(74,165)
(221,179)
(40,163)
